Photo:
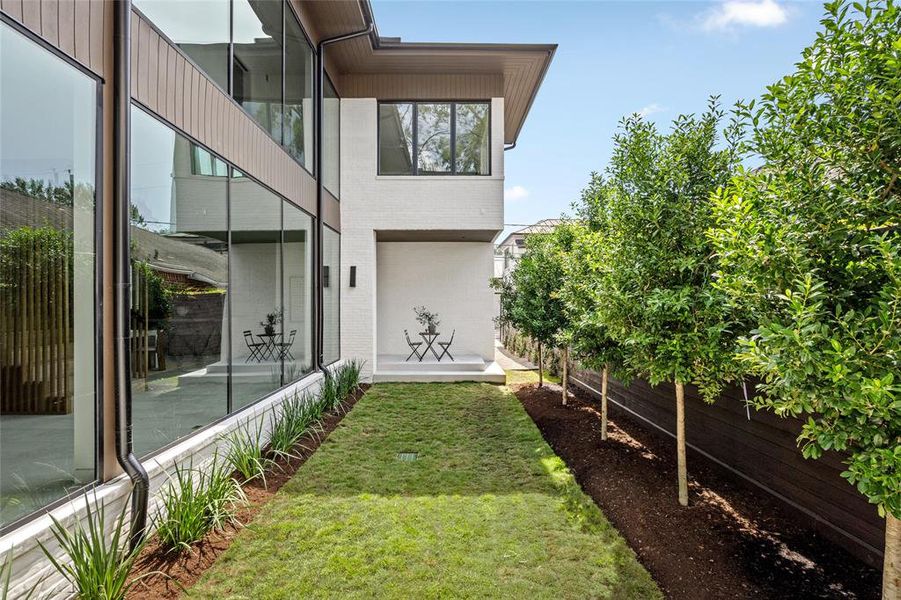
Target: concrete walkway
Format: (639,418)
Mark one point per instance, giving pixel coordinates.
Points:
(508,361)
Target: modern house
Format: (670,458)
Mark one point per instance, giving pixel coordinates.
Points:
(203,206)
(510,249)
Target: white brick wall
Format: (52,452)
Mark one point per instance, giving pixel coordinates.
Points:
(370,203)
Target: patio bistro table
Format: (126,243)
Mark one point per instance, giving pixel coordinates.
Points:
(269,349)
(429,339)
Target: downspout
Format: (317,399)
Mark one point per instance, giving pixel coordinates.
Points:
(122,269)
(510,147)
(317,110)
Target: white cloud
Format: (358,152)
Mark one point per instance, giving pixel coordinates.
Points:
(751,13)
(517,192)
(651,109)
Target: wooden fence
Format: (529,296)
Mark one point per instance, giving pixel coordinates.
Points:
(760,448)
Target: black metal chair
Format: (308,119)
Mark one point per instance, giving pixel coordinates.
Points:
(414,347)
(445,347)
(256,348)
(284,348)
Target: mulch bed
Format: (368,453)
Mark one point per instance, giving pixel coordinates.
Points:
(733,541)
(170,574)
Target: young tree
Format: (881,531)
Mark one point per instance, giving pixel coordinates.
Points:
(656,297)
(584,269)
(530,300)
(810,243)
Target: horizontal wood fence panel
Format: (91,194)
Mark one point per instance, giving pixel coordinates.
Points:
(761,448)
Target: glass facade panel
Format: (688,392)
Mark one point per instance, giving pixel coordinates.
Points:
(257,312)
(471,130)
(257,66)
(296,346)
(396,139)
(331,139)
(331,295)
(298,133)
(179,261)
(433,139)
(47,276)
(198,27)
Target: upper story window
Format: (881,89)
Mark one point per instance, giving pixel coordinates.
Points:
(434,138)
(271,70)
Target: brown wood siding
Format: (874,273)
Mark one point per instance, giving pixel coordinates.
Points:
(169,85)
(761,448)
(331,210)
(79,28)
(452,86)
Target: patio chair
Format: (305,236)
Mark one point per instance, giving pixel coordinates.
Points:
(445,347)
(414,347)
(284,348)
(255,348)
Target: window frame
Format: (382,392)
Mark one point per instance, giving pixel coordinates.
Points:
(335,279)
(453,138)
(337,195)
(231,412)
(99,272)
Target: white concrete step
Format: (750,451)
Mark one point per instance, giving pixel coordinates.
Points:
(462,362)
(491,373)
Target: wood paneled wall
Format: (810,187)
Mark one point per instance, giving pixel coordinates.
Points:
(80,28)
(392,86)
(167,83)
(760,447)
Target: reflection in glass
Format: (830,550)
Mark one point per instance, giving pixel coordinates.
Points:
(331,293)
(433,134)
(257,66)
(257,315)
(179,261)
(198,27)
(331,138)
(298,133)
(396,139)
(295,347)
(471,139)
(47,330)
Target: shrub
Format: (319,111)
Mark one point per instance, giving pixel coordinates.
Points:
(246,454)
(299,414)
(195,503)
(98,568)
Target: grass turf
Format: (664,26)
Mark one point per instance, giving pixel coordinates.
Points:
(485,510)
(529,376)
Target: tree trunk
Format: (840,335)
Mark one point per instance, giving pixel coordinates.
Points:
(565,373)
(680,444)
(604,403)
(540,360)
(891,569)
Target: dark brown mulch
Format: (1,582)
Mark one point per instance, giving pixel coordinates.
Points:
(733,541)
(170,574)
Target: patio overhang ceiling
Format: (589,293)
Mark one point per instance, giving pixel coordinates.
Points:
(436,235)
(387,68)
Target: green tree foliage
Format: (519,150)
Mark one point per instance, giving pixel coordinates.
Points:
(42,190)
(810,244)
(654,272)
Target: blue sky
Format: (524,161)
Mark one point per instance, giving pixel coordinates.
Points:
(614,58)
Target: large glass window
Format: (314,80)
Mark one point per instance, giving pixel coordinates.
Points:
(298,122)
(47,276)
(434,138)
(396,139)
(198,27)
(295,347)
(331,295)
(257,311)
(331,138)
(179,262)
(257,66)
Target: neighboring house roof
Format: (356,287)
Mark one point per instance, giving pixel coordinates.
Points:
(383,67)
(542,226)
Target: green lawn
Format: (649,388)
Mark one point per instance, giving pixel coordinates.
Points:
(485,510)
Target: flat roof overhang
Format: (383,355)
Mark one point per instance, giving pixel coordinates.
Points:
(389,69)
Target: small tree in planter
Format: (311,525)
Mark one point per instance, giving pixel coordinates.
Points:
(811,245)
(656,296)
(427,319)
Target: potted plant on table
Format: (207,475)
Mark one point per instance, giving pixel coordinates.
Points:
(427,319)
(272,319)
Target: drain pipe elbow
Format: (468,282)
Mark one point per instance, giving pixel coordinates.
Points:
(122,271)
